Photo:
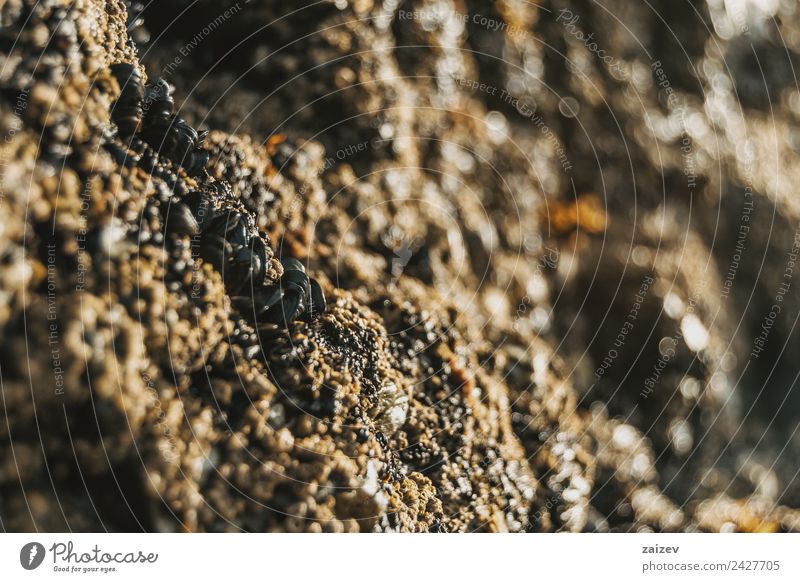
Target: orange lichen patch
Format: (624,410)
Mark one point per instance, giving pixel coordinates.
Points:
(586,214)
(749,515)
(462,375)
(293,243)
(274,141)
(520,16)
(297,243)
(748,522)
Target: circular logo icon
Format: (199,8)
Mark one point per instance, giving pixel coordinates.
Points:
(31,555)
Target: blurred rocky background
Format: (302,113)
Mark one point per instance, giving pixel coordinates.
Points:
(559,242)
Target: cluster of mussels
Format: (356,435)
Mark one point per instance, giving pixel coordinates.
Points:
(229,241)
(228,238)
(149,109)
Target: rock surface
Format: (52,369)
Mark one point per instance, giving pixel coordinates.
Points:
(541,312)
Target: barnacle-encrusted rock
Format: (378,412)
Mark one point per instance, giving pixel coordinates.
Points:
(458,381)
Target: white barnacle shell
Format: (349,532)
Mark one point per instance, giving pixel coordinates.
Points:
(392,407)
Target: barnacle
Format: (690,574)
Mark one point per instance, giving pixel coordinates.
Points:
(391,407)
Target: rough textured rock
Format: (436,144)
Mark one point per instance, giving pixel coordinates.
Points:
(486,203)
